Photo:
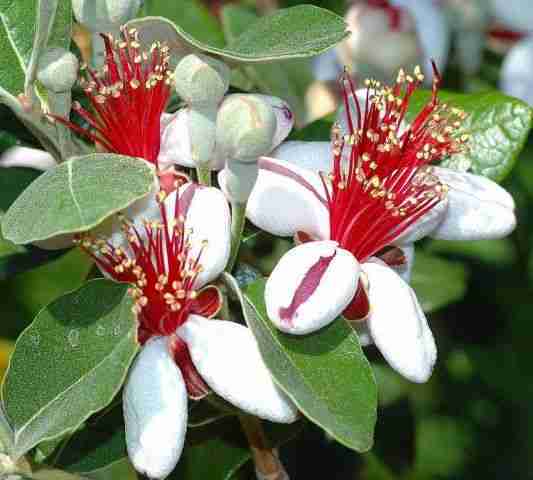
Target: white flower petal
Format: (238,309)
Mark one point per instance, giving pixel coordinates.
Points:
(155,411)
(397,324)
(311,286)
(314,156)
(287,199)
(228,359)
(175,141)
(28,158)
(516,76)
(425,225)
(143,209)
(478,208)
(208,217)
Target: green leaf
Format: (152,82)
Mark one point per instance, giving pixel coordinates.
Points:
(76,196)
(326,374)
(296,32)
(17,32)
(272,79)
(498,125)
(100,444)
(499,252)
(8,248)
(69,363)
(217,452)
(437,282)
(191,15)
(13,181)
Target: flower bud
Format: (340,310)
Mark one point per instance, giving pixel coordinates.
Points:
(58,70)
(104,15)
(246,128)
(201,80)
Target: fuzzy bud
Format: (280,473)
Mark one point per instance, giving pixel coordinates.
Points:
(104,15)
(201,80)
(58,70)
(246,127)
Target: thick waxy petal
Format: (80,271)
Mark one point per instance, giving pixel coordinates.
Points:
(397,324)
(425,225)
(207,217)
(226,355)
(27,157)
(155,411)
(311,286)
(287,199)
(175,140)
(145,209)
(478,208)
(314,156)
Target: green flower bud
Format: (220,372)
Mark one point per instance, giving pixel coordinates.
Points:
(58,70)
(104,15)
(246,126)
(201,80)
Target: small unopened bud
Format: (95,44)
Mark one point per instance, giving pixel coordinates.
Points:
(246,127)
(201,80)
(58,70)
(104,15)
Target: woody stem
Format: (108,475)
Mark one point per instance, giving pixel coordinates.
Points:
(267,463)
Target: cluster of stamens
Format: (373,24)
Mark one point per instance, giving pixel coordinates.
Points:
(382,181)
(128,96)
(160,265)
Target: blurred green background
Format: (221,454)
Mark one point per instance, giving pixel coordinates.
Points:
(474,419)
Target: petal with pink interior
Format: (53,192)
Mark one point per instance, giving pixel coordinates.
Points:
(287,199)
(311,286)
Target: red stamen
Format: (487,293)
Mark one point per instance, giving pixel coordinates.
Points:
(381,182)
(161,267)
(128,97)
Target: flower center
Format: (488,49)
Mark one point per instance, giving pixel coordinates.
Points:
(381,181)
(160,264)
(128,96)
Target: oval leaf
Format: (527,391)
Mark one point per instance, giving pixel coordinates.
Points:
(296,32)
(18,27)
(326,374)
(76,196)
(497,124)
(69,363)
